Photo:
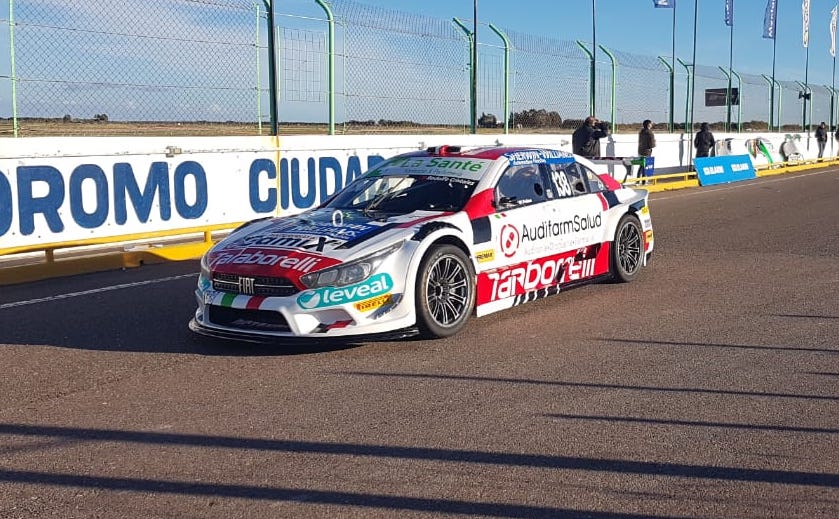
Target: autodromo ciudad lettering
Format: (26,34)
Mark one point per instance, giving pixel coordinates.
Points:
(91,197)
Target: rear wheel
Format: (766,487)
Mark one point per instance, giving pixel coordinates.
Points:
(627,249)
(445,292)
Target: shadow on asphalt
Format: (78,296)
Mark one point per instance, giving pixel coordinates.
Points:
(369,500)
(152,319)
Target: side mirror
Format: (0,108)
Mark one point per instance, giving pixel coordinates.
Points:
(508,201)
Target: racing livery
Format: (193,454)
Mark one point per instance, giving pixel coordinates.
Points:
(423,241)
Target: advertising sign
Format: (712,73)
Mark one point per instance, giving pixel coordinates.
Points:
(721,170)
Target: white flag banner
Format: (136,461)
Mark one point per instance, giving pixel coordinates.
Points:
(833,31)
(805,16)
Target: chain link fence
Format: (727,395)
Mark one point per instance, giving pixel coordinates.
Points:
(201,67)
(158,62)
(402,72)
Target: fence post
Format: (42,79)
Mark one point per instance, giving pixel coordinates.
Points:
(672,84)
(614,81)
(592,71)
(805,89)
(330,73)
(780,103)
(506,76)
(272,67)
(688,100)
(739,102)
(473,112)
(771,124)
(15,124)
(831,129)
(258,79)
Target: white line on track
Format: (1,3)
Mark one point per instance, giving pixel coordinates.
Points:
(93,291)
(730,187)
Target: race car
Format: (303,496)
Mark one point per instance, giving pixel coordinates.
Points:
(422,242)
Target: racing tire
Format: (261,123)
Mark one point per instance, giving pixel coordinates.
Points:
(445,292)
(627,249)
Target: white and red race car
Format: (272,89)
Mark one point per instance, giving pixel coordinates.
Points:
(420,243)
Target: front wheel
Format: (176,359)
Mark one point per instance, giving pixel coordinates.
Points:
(445,292)
(627,249)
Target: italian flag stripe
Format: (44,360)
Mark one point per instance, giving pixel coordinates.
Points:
(227,300)
(254,302)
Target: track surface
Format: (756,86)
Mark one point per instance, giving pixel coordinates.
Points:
(707,388)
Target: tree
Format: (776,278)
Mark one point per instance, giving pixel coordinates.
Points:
(536,118)
(488,121)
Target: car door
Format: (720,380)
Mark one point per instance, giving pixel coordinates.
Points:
(523,200)
(577,223)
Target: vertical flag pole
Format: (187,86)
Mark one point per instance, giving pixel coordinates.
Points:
(804,126)
(474,103)
(730,21)
(594,59)
(833,14)
(671,4)
(693,67)
(772,100)
(770,30)
(805,14)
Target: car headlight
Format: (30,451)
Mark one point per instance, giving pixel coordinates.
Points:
(205,279)
(351,272)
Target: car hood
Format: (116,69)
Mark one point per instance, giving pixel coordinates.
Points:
(292,246)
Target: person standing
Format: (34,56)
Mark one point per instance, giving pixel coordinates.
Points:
(704,141)
(646,143)
(821,138)
(586,138)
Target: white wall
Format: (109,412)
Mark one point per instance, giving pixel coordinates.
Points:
(59,189)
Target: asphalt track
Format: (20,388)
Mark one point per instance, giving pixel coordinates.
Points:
(707,388)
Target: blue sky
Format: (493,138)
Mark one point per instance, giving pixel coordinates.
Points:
(636,26)
(632,26)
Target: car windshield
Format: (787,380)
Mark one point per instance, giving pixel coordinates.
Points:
(404,194)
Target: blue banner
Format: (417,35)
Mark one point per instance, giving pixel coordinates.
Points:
(770,18)
(724,169)
(664,3)
(729,12)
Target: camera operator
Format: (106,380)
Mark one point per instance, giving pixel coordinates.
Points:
(586,138)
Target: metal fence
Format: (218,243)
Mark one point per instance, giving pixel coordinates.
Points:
(201,67)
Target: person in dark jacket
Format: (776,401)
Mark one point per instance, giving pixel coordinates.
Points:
(586,138)
(646,143)
(821,138)
(704,141)
(646,139)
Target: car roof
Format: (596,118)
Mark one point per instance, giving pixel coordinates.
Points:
(485,152)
